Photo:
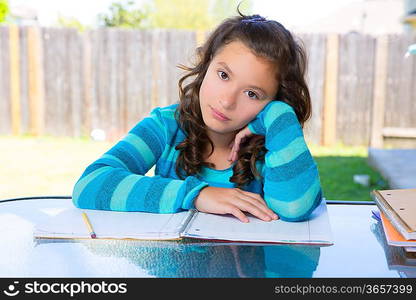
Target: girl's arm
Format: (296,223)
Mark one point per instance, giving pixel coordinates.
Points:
(292,187)
(116,181)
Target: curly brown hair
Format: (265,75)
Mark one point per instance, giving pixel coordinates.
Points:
(267,39)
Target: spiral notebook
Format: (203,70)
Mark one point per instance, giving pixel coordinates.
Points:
(399,206)
(69,224)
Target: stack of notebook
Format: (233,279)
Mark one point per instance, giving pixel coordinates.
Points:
(398,216)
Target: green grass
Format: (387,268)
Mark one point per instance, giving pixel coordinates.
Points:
(50,166)
(44,166)
(337,166)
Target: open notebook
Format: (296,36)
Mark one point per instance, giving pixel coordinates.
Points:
(190,224)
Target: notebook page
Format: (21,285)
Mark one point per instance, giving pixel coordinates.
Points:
(112,224)
(319,225)
(227,227)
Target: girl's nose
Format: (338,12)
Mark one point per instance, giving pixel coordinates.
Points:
(228,101)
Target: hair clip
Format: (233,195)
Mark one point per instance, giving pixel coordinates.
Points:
(254,19)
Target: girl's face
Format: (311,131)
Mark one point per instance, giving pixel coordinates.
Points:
(235,89)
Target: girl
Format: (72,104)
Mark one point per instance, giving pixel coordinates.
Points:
(232,145)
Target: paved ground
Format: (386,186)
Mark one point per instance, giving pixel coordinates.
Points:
(397,166)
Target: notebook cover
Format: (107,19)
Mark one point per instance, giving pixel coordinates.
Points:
(393,237)
(403,203)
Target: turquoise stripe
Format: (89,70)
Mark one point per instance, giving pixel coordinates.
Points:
(293,188)
(190,196)
(112,157)
(171,156)
(222,184)
(280,140)
(168,113)
(169,196)
(158,123)
(80,185)
(251,128)
(121,193)
(168,160)
(287,154)
(141,147)
(297,207)
(214,175)
(276,110)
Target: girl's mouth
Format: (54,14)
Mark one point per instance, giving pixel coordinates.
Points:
(219,116)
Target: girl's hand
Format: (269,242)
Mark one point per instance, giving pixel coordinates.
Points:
(239,138)
(233,201)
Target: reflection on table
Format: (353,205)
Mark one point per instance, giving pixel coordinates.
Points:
(190,259)
(397,258)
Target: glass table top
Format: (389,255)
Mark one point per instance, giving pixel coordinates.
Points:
(359,250)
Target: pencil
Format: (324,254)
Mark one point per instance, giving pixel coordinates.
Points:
(89,226)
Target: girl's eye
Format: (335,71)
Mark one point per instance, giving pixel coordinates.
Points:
(221,73)
(252,94)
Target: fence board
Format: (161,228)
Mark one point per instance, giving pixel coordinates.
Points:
(95,60)
(14,78)
(50,65)
(356,73)
(379,95)
(147,77)
(135,73)
(36,81)
(86,100)
(24,84)
(315,46)
(400,80)
(5,119)
(121,82)
(330,117)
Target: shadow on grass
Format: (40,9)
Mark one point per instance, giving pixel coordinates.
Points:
(336,173)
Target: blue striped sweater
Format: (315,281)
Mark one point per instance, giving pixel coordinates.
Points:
(289,184)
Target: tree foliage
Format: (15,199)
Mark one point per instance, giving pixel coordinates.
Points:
(181,14)
(124,14)
(71,22)
(4,10)
(194,14)
(222,9)
(178,14)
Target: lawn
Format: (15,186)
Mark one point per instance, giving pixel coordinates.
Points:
(50,166)
(337,165)
(44,166)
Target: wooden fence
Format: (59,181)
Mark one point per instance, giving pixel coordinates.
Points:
(61,82)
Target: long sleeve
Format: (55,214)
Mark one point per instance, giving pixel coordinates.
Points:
(116,181)
(291,181)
